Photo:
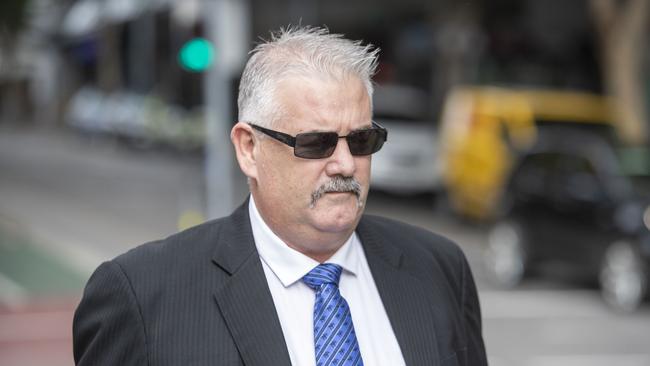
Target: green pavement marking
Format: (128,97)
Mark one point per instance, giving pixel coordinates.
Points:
(33,269)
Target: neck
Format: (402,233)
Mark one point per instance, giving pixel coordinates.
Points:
(319,245)
(326,248)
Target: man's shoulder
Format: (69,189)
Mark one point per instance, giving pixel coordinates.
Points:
(425,254)
(409,237)
(184,247)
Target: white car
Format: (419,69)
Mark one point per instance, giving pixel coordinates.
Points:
(407,163)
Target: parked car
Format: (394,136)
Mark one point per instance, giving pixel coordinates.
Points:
(567,202)
(407,163)
(484,130)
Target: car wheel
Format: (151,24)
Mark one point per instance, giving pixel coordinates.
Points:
(505,255)
(623,277)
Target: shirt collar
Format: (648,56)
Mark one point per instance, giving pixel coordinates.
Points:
(288,264)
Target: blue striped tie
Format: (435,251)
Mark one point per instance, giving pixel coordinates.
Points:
(334,339)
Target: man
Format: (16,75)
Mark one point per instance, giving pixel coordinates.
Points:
(297,275)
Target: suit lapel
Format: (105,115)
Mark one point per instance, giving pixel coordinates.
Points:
(404,299)
(245,300)
(247,306)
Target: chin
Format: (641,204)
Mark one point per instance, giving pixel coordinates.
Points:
(337,218)
(338,226)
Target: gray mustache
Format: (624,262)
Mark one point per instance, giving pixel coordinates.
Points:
(337,184)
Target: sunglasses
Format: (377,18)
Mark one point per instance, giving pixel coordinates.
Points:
(318,145)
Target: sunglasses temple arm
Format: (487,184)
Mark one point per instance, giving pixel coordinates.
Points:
(282,137)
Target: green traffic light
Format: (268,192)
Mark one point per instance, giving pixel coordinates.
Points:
(196,55)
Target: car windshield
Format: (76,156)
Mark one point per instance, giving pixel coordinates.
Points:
(590,153)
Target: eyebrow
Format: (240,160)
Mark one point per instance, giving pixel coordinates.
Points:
(364,127)
(367,126)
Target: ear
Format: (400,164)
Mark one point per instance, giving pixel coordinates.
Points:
(245,143)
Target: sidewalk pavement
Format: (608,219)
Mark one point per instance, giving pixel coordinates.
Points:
(67,204)
(38,295)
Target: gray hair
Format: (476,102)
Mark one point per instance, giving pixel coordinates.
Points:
(299,51)
(338,183)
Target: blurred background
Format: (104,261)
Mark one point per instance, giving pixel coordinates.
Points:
(518,128)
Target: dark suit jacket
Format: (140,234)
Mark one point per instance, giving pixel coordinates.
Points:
(200,297)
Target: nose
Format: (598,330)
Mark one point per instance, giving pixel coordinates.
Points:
(342,161)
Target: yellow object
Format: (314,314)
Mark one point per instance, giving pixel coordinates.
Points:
(484,128)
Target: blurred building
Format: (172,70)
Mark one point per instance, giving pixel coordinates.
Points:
(79,58)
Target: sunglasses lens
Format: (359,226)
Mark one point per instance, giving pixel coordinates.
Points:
(366,142)
(315,145)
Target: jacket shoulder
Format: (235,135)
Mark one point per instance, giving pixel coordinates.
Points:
(428,256)
(410,238)
(134,303)
(183,247)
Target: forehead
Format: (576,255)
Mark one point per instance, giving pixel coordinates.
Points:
(315,103)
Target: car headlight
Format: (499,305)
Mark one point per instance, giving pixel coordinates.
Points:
(646,217)
(632,217)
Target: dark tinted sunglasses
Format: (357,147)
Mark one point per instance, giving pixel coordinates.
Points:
(317,145)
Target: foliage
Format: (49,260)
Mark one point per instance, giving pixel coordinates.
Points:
(13,15)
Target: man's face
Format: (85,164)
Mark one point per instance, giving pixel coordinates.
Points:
(286,184)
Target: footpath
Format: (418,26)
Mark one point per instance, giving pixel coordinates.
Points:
(38,295)
(67,203)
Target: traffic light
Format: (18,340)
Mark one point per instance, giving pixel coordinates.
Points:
(196,55)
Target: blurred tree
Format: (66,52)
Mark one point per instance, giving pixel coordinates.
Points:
(458,44)
(12,16)
(622,31)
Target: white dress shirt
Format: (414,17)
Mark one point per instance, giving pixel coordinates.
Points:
(284,268)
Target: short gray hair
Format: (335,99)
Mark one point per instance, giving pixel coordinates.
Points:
(303,51)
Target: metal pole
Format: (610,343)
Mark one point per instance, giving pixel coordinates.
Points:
(227,27)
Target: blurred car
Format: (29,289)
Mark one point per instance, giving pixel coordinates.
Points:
(407,163)
(484,130)
(568,203)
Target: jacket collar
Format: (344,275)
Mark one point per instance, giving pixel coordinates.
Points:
(403,295)
(244,299)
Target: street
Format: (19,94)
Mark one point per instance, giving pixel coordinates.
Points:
(82,201)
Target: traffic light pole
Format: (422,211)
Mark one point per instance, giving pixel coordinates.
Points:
(227,26)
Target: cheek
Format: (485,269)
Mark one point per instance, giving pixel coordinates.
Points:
(363,169)
(291,181)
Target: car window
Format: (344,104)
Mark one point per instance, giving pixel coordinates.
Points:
(531,178)
(576,180)
(557,176)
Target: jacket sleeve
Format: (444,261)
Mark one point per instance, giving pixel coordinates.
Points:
(108,328)
(476,355)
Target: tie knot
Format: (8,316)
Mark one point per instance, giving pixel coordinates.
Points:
(323,273)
